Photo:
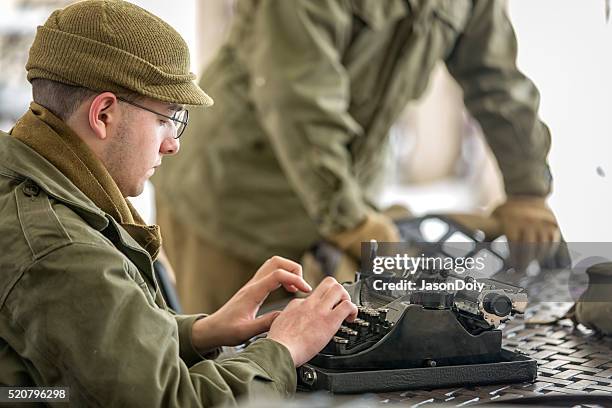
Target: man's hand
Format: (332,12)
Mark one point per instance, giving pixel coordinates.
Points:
(237,321)
(527,222)
(530,227)
(307,325)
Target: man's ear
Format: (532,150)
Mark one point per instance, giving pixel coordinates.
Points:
(103,113)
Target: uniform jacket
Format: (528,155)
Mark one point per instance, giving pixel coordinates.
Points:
(305,94)
(80,306)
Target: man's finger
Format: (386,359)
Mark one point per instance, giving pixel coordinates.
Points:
(554,233)
(289,280)
(530,244)
(334,295)
(517,256)
(524,255)
(291,289)
(544,244)
(278,278)
(512,233)
(320,291)
(345,310)
(261,324)
(544,251)
(279,262)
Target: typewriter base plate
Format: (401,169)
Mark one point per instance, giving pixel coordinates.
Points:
(513,367)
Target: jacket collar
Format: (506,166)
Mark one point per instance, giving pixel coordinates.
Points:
(20,161)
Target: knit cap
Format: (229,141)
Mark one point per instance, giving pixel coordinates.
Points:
(116,46)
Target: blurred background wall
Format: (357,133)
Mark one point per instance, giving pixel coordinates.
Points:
(439,161)
(565,46)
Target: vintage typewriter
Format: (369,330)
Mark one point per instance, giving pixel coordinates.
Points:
(415,339)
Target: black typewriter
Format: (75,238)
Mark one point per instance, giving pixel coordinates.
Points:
(416,339)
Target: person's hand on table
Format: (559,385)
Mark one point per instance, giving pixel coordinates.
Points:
(530,227)
(527,222)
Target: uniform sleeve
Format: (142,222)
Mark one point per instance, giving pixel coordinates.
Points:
(301,92)
(89,324)
(502,99)
(187,351)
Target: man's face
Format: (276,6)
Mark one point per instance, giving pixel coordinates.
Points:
(142,138)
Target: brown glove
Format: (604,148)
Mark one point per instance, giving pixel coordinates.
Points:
(527,222)
(531,229)
(527,219)
(375,226)
(378,226)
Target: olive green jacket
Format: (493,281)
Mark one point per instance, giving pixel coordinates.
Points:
(80,307)
(305,94)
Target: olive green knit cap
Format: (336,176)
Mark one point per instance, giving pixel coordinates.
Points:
(113,45)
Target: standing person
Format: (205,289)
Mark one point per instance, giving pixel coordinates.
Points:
(79,303)
(306,93)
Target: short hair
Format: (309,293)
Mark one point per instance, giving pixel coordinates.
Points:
(63,100)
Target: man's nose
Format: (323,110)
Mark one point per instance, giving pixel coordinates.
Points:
(170,146)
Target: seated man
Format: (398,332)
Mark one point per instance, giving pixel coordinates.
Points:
(79,304)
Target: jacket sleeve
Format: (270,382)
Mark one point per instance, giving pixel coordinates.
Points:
(87,323)
(502,99)
(301,93)
(187,351)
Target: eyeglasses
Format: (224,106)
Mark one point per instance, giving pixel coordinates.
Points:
(180,118)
